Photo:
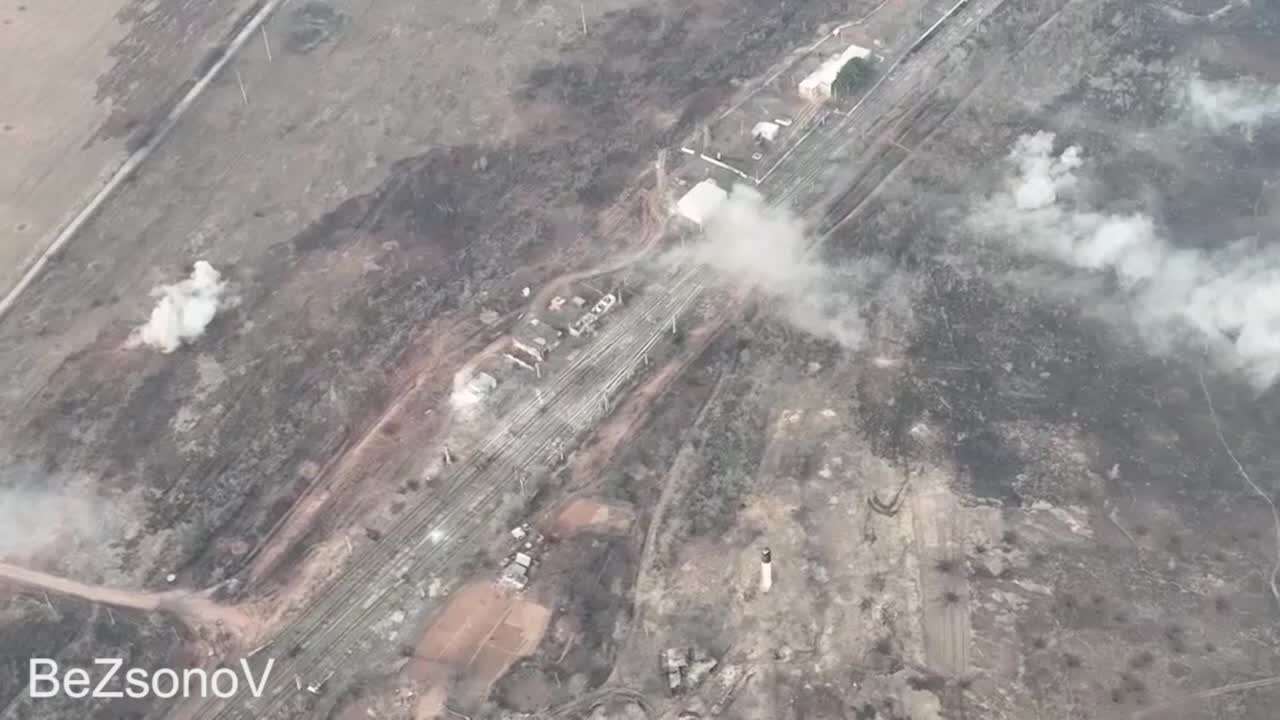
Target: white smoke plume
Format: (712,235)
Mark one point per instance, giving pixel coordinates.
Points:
(184,309)
(33,519)
(1221,106)
(51,516)
(1227,300)
(470,389)
(751,245)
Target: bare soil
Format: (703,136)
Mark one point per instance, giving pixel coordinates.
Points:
(480,633)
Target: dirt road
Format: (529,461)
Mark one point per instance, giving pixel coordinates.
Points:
(193,609)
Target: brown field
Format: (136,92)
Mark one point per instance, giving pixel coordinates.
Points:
(481,632)
(589,515)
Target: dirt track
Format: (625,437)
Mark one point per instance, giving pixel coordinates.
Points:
(191,608)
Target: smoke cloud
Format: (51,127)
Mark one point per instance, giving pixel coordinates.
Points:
(1227,300)
(751,245)
(470,389)
(43,515)
(32,519)
(184,309)
(1242,105)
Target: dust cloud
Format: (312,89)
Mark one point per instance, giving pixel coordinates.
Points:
(1231,106)
(184,309)
(751,245)
(1226,300)
(32,519)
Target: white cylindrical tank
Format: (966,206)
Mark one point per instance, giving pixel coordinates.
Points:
(766,570)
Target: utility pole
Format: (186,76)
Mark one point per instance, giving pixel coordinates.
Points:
(240,82)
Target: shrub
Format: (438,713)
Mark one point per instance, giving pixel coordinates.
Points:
(855,75)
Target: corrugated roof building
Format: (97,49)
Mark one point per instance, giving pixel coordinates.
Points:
(817,86)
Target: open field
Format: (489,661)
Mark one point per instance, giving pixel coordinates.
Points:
(107,74)
(479,634)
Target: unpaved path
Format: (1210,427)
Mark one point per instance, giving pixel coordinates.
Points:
(194,610)
(136,600)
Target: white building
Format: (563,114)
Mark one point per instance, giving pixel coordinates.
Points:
(702,201)
(765,131)
(817,86)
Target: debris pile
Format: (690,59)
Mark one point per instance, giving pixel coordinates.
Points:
(685,668)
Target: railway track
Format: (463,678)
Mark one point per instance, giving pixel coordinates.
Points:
(341,627)
(430,537)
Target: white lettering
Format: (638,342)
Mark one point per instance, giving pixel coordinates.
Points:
(227,674)
(172,680)
(100,691)
(256,688)
(199,675)
(49,676)
(116,681)
(136,683)
(76,683)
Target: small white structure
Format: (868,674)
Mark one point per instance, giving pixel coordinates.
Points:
(519,533)
(702,201)
(515,576)
(766,570)
(604,304)
(817,86)
(482,383)
(470,390)
(527,349)
(584,325)
(523,560)
(765,131)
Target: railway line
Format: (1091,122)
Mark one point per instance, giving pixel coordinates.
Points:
(428,539)
(344,625)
